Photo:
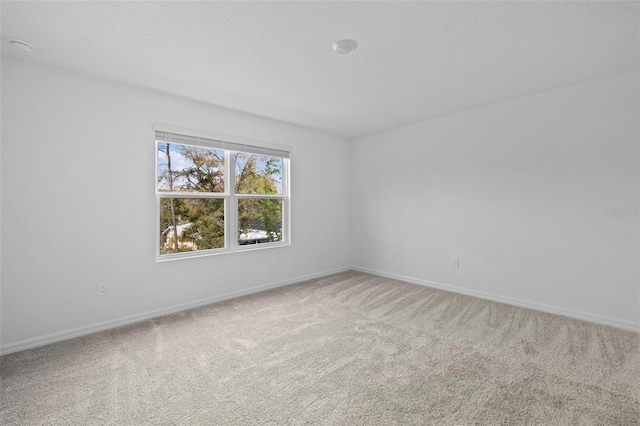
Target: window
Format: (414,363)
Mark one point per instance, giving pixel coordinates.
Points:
(217,196)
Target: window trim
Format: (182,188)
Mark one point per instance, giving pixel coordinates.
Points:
(229,144)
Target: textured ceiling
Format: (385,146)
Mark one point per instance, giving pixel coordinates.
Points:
(415,60)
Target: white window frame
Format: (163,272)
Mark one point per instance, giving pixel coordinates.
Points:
(230,145)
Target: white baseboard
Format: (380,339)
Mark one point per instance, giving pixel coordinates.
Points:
(598,319)
(83,331)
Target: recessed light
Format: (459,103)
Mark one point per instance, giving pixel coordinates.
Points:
(345,46)
(21,46)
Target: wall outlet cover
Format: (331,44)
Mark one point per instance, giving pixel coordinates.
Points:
(103,290)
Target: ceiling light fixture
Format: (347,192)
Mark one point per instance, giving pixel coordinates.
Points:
(21,46)
(345,46)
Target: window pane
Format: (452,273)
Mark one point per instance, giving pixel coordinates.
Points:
(259,221)
(198,224)
(258,174)
(187,168)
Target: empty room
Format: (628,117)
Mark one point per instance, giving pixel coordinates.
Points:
(320,213)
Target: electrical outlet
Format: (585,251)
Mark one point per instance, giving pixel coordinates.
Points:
(103,290)
(455,262)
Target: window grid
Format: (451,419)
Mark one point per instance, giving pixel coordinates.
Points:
(231,214)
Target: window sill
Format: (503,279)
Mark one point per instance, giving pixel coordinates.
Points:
(217,252)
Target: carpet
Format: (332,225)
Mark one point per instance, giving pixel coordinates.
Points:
(347,349)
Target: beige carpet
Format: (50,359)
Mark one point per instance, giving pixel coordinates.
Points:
(349,349)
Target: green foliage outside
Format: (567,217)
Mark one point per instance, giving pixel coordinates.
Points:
(199,222)
(254,178)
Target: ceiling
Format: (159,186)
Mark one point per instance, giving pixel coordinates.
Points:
(414,61)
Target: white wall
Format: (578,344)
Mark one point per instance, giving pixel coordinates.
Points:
(517,191)
(78,205)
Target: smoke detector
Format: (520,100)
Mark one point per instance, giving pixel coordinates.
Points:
(21,46)
(345,46)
